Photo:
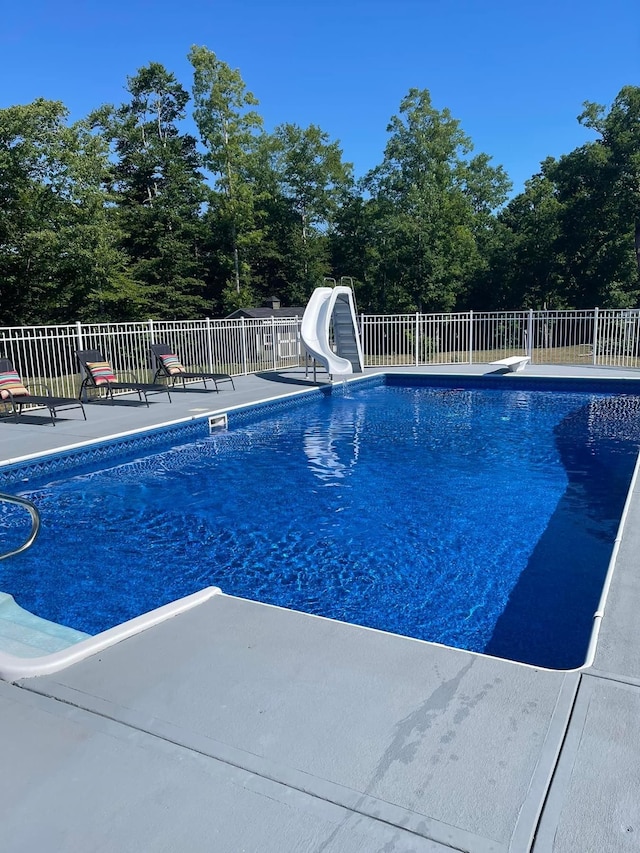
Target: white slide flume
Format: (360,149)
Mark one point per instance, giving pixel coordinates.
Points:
(316,323)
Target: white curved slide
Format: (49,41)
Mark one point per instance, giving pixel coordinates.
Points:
(316,322)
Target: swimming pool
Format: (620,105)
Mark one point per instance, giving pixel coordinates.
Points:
(468,514)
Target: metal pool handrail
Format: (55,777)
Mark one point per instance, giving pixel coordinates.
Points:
(35,522)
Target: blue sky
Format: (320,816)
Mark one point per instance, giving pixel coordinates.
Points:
(514,74)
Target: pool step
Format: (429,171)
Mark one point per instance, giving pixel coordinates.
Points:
(26,635)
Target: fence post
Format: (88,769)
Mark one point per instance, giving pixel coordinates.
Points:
(79,334)
(417,346)
(80,345)
(595,336)
(273,341)
(150,359)
(530,334)
(209,345)
(243,330)
(470,337)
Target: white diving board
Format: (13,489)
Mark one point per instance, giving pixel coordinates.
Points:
(513,363)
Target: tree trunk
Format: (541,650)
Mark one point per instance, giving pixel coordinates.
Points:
(236,258)
(234,231)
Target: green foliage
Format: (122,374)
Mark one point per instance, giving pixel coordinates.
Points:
(160,192)
(124,215)
(523,261)
(228,128)
(571,239)
(431,205)
(301,179)
(232,299)
(59,243)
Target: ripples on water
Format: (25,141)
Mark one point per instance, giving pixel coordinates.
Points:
(440,514)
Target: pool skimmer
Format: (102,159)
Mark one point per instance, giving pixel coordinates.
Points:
(218,422)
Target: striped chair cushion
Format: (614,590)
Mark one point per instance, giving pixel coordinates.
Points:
(172,364)
(10,381)
(101,372)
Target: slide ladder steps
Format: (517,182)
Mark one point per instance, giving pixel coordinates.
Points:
(344,333)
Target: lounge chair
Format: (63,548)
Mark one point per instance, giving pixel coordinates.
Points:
(99,374)
(16,394)
(170,367)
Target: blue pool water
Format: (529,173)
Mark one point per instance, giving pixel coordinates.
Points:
(481,519)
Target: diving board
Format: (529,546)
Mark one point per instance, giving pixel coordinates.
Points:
(513,363)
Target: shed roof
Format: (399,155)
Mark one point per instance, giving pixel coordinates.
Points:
(266,313)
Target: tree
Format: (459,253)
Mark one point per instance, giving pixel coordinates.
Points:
(433,203)
(524,269)
(228,129)
(620,132)
(306,182)
(159,192)
(59,250)
(356,251)
(571,239)
(598,185)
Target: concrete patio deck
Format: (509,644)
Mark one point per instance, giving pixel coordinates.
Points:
(238,726)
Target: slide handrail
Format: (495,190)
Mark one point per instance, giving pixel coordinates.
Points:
(35,522)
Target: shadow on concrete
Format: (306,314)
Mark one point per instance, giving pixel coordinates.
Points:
(128,404)
(178,389)
(291,380)
(31,420)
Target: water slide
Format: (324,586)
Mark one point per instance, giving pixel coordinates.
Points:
(327,305)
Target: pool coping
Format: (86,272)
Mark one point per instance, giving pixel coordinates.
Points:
(13,668)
